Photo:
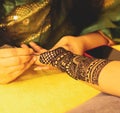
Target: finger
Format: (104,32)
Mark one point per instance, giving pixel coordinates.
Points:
(24,67)
(37,62)
(63,42)
(15,52)
(41,68)
(7,74)
(14,61)
(24,46)
(36,47)
(58,45)
(13,72)
(45,67)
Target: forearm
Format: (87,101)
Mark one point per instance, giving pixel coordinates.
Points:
(93,71)
(94,39)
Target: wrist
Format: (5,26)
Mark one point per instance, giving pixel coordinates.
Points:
(77,66)
(93,40)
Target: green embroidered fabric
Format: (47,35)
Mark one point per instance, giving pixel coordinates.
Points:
(25,21)
(109,21)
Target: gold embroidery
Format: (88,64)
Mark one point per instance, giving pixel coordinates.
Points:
(34,36)
(24,11)
(26,22)
(108,3)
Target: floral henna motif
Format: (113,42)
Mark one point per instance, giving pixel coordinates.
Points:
(78,67)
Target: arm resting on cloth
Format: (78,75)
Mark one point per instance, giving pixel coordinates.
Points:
(100,73)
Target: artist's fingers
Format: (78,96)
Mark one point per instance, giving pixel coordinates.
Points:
(14,61)
(11,52)
(8,74)
(63,42)
(24,46)
(44,68)
(37,48)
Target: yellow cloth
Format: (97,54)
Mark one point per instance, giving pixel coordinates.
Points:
(44,92)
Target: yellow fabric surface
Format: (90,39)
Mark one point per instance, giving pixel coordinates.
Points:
(44,92)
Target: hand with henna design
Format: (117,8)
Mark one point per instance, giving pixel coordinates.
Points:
(99,73)
(77,66)
(77,45)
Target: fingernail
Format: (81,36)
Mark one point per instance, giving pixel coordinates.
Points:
(37,68)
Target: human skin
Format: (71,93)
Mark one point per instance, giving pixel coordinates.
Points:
(77,45)
(13,62)
(108,80)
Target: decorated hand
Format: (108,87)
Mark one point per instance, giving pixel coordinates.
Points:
(77,66)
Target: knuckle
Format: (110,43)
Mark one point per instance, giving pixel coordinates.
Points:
(4,78)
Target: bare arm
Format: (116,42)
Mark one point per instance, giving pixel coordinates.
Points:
(82,43)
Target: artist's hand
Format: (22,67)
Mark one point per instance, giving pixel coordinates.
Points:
(13,62)
(68,42)
(71,43)
(80,44)
(37,51)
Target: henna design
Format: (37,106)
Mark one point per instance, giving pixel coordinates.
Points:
(78,67)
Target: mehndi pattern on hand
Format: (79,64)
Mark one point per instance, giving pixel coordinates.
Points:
(77,66)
